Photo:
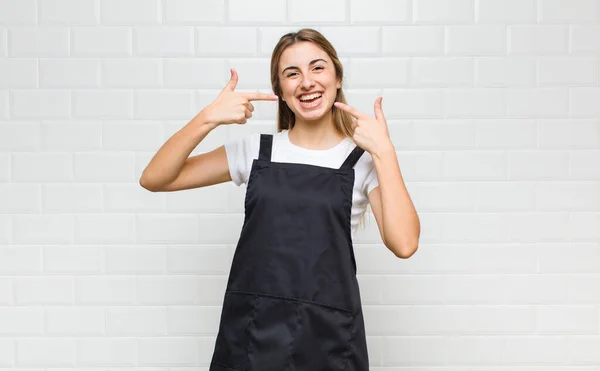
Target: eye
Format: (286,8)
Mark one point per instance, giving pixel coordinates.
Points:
(319,67)
(290,74)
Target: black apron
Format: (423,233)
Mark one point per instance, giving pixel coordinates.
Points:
(292,300)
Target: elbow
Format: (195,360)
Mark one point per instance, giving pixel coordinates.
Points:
(403,250)
(148,185)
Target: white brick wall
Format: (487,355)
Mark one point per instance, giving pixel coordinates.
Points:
(493,108)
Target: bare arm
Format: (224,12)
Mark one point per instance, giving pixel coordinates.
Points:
(171,168)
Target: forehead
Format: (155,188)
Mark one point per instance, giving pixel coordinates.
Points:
(300,54)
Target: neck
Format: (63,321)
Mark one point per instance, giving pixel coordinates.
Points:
(316,134)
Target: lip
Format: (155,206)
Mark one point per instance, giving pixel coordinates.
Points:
(312,107)
(314,92)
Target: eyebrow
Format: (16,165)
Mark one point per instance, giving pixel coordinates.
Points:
(311,63)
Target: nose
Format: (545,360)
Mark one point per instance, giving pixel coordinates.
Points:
(307,82)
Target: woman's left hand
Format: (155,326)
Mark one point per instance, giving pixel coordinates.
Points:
(370,134)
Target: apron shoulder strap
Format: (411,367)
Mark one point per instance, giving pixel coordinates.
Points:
(352,158)
(266,143)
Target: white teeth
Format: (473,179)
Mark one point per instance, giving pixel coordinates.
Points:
(308,97)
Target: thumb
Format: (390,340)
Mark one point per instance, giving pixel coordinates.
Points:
(231,84)
(378,110)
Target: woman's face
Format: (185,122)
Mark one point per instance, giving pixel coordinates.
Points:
(308,80)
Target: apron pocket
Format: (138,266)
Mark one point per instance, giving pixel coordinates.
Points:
(232,339)
(271,334)
(323,342)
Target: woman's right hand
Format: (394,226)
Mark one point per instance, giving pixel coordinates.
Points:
(233,107)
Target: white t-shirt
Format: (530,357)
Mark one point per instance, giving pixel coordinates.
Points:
(241,153)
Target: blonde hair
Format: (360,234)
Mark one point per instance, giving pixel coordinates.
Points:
(342,120)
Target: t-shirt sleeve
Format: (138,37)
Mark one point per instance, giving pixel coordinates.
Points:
(371,181)
(240,154)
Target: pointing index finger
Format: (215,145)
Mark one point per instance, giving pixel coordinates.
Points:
(351,110)
(260,96)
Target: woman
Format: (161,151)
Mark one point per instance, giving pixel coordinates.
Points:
(292,299)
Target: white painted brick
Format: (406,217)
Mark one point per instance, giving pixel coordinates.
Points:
(412,40)
(366,72)
(69,73)
(193,320)
(18,198)
(582,165)
(543,102)
(476,40)
(38,41)
(220,228)
(131,73)
(506,11)
(44,290)
(203,200)
(209,73)
(18,73)
(539,227)
(380,11)
(70,320)
(583,288)
(569,258)
(584,39)
(21,321)
(162,290)
(421,166)
(105,167)
(74,259)
(255,11)
(103,104)
(193,12)
(568,11)
(437,197)
(440,11)
(19,136)
(199,259)
(474,165)
(75,135)
(584,226)
(480,102)
(46,352)
(104,290)
(7,352)
(68,12)
(505,197)
(106,352)
(422,103)
(584,102)
(72,198)
(568,71)
(42,229)
(559,196)
(132,198)
(165,41)
(5,235)
(164,104)
(506,134)
(104,228)
(18,12)
(583,350)
(459,227)
(166,228)
(136,260)
(43,104)
(171,351)
(569,133)
(354,40)
(4,102)
(431,72)
(440,134)
(328,12)
(136,321)
(3,42)
(538,165)
(505,71)
(127,12)
(269,37)
(231,41)
(16,260)
(132,135)
(47,167)
(536,350)
(101,41)
(537,39)
(562,319)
